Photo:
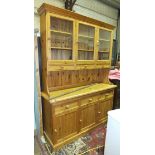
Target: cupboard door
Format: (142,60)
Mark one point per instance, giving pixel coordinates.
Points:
(86,42)
(87,116)
(103,108)
(104,44)
(60,39)
(65,126)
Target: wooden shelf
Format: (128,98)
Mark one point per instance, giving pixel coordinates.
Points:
(83,36)
(61,48)
(62,32)
(85,50)
(104,51)
(104,40)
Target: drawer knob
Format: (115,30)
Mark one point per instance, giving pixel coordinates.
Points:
(80,120)
(99,112)
(67,106)
(90,99)
(55,130)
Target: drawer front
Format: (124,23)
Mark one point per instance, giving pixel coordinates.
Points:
(96,98)
(60,68)
(106,95)
(89,100)
(60,109)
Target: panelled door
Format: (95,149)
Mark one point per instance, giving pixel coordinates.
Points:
(65,121)
(87,116)
(102,109)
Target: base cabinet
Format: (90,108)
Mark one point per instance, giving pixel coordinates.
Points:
(72,119)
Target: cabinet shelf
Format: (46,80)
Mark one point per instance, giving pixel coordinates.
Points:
(83,36)
(61,48)
(62,32)
(104,40)
(85,50)
(104,51)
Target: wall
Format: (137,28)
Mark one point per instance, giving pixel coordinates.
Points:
(36,109)
(91,8)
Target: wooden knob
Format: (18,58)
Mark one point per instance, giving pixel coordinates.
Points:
(80,120)
(99,112)
(55,130)
(67,106)
(90,99)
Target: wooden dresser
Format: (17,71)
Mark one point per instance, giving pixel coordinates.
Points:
(76,58)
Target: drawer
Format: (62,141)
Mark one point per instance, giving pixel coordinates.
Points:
(61,68)
(65,107)
(106,95)
(89,100)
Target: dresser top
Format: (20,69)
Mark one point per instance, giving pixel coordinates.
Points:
(70,93)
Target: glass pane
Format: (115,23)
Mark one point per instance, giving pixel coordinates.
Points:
(86,30)
(61,54)
(61,25)
(83,55)
(86,42)
(104,34)
(61,39)
(103,56)
(104,46)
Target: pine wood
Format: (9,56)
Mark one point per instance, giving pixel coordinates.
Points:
(76,91)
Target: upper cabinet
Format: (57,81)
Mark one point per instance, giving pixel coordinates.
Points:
(71,41)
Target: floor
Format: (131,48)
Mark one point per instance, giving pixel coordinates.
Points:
(90,144)
(37,150)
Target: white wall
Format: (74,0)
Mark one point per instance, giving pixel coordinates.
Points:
(91,8)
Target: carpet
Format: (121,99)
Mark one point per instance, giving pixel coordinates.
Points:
(85,145)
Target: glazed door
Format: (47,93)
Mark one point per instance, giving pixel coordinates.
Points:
(86,34)
(104,44)
(60,41)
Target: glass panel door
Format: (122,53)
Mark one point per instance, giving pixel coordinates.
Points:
(86,42)
(61,32)
(104,44)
